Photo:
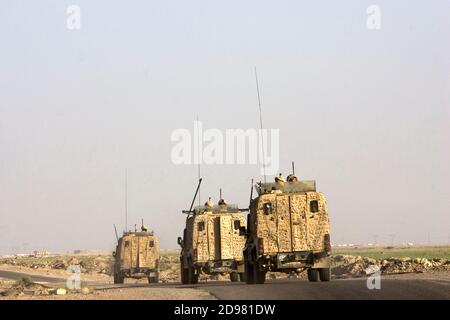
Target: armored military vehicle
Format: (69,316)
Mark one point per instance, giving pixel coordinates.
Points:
(211,242)
(287,231)
(136,256)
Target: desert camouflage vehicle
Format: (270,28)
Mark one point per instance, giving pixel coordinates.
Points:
(287,231)
(211,242)
(137,256)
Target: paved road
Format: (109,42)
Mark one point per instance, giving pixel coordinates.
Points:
(292,289)
(35,278)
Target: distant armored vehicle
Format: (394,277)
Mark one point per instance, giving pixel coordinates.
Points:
(287,231)
(211,242)
(136,256)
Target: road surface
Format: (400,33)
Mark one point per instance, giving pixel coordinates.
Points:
(35,278)
(293,289)
(289,289)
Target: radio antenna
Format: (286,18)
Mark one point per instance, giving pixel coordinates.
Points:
(198,156)
(115,229)
(126,200)
(189,212)
(251,195)
(261,126)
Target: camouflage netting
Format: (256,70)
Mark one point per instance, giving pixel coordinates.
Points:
(294,227)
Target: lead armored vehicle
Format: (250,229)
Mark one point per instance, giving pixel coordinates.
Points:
(288,231)
(136,256)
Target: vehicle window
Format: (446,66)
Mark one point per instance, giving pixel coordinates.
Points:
(237,224)
(267,208)
(314,206)
(201,226)
(127,243)
(152,243)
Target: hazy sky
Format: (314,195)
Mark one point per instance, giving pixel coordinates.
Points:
(364,112)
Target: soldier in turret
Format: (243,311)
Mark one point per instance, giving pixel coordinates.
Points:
(222,205)
(209,204)
(279,184)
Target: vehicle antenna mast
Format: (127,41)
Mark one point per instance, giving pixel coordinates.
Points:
(261,127)
(193,200)
(198,156)
(117,236)
(251,195)
(126,200)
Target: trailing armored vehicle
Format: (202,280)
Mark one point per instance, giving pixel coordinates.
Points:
(212,243)
(136,256)
(287,231)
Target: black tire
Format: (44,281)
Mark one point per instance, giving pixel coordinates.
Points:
(242,277)
(184,273)
(192,277)
(154,279)
(195,278)
(118,278)
(185,276)
(325,274)
(313,275)
(259,277)
(248,269)
(234,277)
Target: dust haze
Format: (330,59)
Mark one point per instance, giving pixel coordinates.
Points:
(364,113)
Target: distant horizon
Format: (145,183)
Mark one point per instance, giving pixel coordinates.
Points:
(343,245)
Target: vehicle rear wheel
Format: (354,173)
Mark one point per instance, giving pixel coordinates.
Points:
(325,274)
(154,278)
(259,277)
(118,278)
(248,269)
(192,277)
(184,273)
(313,275)
(234,277)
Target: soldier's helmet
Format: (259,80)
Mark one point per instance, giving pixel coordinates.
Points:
(209,203)
(280,179)
(222,202)
(291,178)
(144,228)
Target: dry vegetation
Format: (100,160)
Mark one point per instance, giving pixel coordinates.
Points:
(355,262)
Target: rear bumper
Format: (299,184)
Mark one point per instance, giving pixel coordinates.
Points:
(138,272)
(298,260)
(222,266)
